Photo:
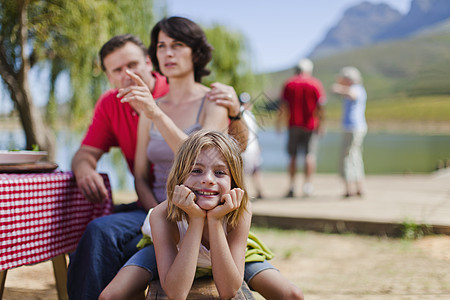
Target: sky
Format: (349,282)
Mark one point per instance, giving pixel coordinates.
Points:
(279,32)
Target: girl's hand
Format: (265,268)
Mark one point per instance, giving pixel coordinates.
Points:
(139,97)
(230,202)
(184,198)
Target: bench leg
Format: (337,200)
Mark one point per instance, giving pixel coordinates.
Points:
(60,271)
(2,282)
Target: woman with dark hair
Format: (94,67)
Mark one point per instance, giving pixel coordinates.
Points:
(189,33)
(180,51)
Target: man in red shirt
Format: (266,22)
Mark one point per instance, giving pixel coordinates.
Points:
(302,103)
(114,124)
(108,241)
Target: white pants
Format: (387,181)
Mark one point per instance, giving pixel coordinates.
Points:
(351,164)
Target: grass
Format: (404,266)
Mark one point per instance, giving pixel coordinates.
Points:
(410,230)
(412,109)
(419,110)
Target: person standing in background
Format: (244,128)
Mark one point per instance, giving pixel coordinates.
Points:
(302,104)
(351,165)
(252,155)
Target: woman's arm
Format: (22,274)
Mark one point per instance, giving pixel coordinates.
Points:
(142,165)
(142,100)
(344,90)
(176,268)
(228,253)
(214,117)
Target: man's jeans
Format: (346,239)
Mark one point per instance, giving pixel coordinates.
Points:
(107,243)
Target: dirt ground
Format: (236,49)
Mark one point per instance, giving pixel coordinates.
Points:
(325,266)
(330,266)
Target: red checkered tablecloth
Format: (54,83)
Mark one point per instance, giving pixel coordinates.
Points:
(42,215)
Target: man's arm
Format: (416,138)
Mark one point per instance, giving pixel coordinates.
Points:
(225,96)
(90,182)
(320,113)
(283,112)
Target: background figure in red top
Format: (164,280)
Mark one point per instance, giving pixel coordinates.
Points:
(302,104)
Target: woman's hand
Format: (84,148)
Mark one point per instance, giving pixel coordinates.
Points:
(139,97)
(225,96)
(184,198)
(230,202)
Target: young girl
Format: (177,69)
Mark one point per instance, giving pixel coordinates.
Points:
(203,225)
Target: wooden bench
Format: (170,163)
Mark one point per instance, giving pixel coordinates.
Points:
(203,288)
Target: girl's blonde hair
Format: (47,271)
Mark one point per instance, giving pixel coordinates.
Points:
(185,160)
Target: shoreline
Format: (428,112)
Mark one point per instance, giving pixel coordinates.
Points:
(386,126)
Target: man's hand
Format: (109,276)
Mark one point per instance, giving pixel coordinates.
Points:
(93,187)
(90,183)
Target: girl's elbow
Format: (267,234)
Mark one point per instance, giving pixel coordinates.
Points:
(229,291)
(176,294)
(228,294)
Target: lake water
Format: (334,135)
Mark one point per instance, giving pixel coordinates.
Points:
(383,153)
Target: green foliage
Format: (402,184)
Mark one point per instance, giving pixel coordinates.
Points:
(410,230)
(67,35)
(230,64)
(433,108)
(9,33)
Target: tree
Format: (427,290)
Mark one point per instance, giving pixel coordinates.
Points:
(65,35)
(15,63)
(231,62)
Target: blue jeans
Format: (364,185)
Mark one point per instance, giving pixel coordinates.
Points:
(107,243)
(145,258)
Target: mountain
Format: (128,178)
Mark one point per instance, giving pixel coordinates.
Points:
(423,14)
(367,24)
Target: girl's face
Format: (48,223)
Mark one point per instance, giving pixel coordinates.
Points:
(209,179)
(174,57)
